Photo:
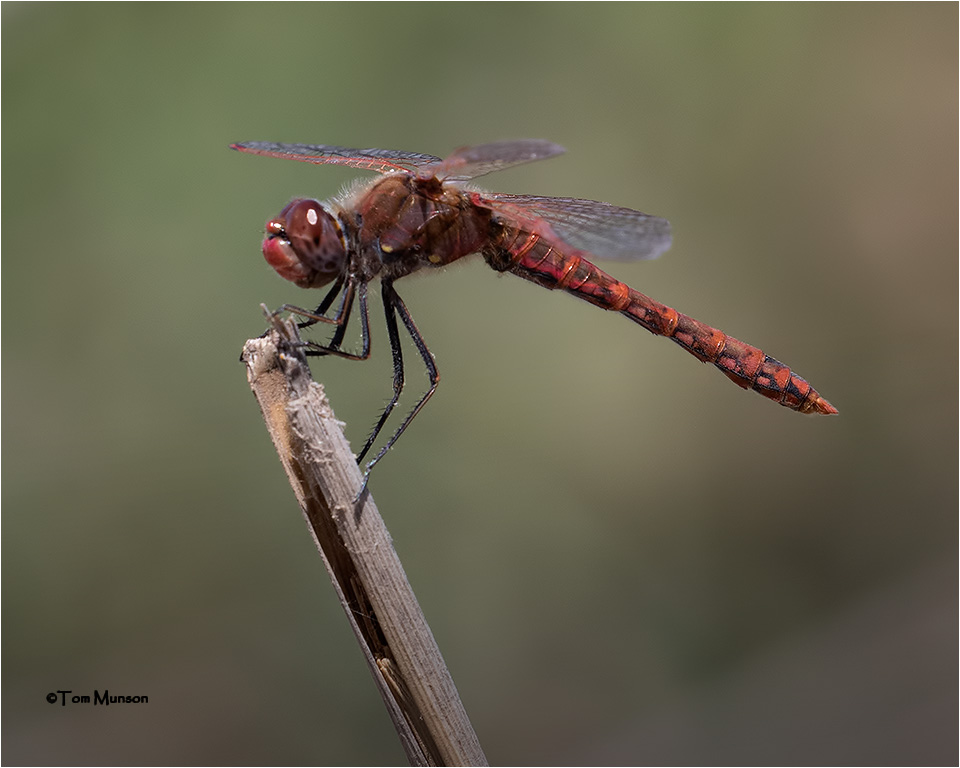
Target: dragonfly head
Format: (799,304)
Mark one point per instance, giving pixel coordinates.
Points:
(306,244)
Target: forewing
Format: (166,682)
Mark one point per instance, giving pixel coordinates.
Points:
(470,162)
(380,160)
(604,230)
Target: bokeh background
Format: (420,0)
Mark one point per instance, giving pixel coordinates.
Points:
(625,559)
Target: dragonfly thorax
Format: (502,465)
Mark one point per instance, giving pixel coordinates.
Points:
(306,244)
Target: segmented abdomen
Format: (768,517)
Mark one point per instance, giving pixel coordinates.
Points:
(529,256)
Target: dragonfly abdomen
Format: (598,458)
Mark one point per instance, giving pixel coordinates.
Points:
(746,366)
(531,257)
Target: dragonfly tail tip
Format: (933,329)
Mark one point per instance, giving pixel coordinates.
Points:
(824,407)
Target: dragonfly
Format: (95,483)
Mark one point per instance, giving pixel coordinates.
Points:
(421,214)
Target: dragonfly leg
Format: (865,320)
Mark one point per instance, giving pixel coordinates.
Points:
(342,316)
(393,332)
(341,319)
(393,306)
(318,315)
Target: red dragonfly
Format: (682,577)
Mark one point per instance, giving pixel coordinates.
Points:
(419,214)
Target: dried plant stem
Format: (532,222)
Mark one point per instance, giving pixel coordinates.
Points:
(359,555)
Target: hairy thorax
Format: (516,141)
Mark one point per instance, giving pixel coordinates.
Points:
(403,223)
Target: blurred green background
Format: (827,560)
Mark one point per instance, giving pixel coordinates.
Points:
(625,559)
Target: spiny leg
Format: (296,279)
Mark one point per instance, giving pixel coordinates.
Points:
(318,314)
(393,304)
(341,319)
(389,312)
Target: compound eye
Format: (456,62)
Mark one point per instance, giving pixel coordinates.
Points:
(315,236)
(307,220)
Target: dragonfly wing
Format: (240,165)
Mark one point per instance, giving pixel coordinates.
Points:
(380,160)
(604,230)
(470,162)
